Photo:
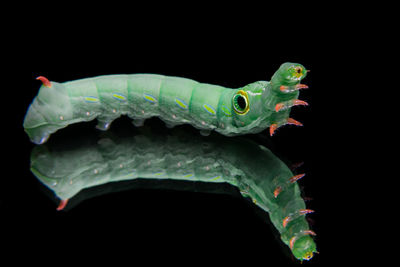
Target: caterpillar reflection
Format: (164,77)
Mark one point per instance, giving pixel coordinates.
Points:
(249,109)
(252,168)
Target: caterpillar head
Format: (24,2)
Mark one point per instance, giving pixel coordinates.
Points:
(252,104)
(304,248)
(288,74)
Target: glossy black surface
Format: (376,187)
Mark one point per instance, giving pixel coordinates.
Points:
(164,223)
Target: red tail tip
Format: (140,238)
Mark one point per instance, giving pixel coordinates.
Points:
(62,204)
(44,80)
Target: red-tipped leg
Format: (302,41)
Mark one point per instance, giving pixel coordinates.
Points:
(289,104)
(293,121)
(296,177)
(301,86)
(305,211)
(277,191)
(272,129)
(62,204)
(287,89)
(279,106)
(298,102)
(286,221)
(310,232)
(301,212)
(305,232)
(44,80)
(283,88)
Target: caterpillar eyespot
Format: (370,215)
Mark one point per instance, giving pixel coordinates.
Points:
(240,102)
(182,157)
(249,109)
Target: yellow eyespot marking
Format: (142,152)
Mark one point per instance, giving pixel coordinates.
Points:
(240,102)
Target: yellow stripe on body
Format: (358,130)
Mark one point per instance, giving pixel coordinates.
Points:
(119,96)
(149,98)
(91,99)
(216,178)
(209,109)
(181,103)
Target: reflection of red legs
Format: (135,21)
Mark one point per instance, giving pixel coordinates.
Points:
(296,177)
(287,219)
(305,232)
(292,180)
(293,121)
(277,191)
(62,204)
(272,128)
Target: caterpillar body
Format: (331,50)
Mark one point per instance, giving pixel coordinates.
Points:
(249,109)
(240,162)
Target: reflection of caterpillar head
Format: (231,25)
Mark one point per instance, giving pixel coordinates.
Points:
(255,105)
(304,248)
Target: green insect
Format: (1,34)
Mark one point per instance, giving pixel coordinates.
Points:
(242,163)
(249,109)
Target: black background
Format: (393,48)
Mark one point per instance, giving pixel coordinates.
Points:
(171,226)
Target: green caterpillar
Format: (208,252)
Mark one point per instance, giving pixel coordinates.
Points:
(237,161)
(249,109)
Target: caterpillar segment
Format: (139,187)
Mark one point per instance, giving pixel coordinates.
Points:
(249,109)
